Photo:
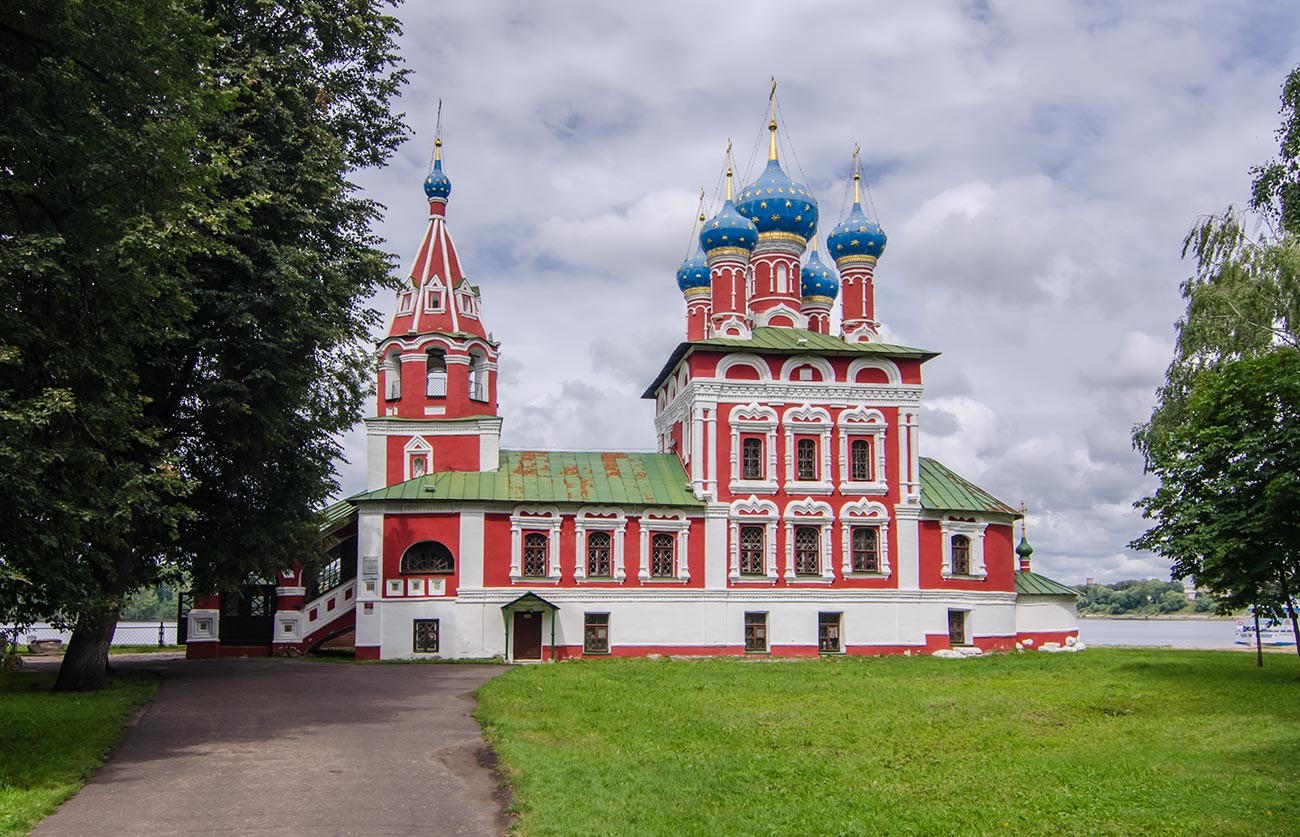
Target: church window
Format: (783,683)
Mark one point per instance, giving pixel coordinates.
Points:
(751,459)
(662,556)
(426,636)
(595,634)
(756,632)
(428,557)
(957,628)
(419,465)
(782,279)
(598,549)
(860,460)
(433,298)
(392,377)
(866,549)
(478,390)
(751,551)
(436,374)
(828,632)
(807,550)
(806,460)
(535,554)
(406,303)
(960,555)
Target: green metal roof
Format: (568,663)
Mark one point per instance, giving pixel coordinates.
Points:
(944,490)
(526,476)
(1033,584)
(768,340)
(335,517)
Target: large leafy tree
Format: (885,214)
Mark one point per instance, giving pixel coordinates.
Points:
(1243,307)
(185,265)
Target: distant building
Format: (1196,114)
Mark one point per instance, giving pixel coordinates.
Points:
(788,510)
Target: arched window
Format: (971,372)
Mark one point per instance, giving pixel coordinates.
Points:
(428,557)
(806,460)
(860,460)
(535,557)
(782,279)
(435,375)
(598,563)
(662,557)
(392,376)
(807,550)
(960,555)
(478,389)
(751,459)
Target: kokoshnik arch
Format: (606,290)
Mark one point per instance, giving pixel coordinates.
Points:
(788,511)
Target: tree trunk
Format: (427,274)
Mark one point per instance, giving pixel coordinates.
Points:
(1259,644)
(85,663)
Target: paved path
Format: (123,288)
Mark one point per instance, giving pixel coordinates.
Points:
(289,747)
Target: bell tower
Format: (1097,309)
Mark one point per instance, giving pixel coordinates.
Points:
(437,366)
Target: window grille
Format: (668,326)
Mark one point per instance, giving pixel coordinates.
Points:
(535,554)
(960,555)
(595,635)
(866,550)
(751,550)
(860,460)
(426,635)
(662,557)
(755,631)
(807,550)
(435,375)
(598,554)
(957,627)
(828,632)
(807,460)
(478,391)
(330,575)
(428,557)
(751,459)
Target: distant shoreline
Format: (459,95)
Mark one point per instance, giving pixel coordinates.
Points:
(1163,617)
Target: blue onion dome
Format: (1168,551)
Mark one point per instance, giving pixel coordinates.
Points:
(817,279)
(728,228)
(856,236)
(775,203)
(694,272)
(437,185)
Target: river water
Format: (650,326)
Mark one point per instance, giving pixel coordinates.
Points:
(1179,633)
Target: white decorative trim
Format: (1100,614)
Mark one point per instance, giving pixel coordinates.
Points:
(807,420)
(864,512)
(974,531)
(545,518)
(862,422)
(821,364)
(404,427)
(753,418)
(809,512)
(609,519)
(751,361)
(671,521)
(203,625)
(782,310)
(757,512)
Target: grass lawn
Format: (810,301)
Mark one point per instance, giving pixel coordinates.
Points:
(50,743)
(1107,742)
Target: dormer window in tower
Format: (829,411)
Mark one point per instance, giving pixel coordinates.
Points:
(478,385)
(466,301)
(406,302)
(433,295)
(435,376)
(392,376)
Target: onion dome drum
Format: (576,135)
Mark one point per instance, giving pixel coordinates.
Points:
(818,280)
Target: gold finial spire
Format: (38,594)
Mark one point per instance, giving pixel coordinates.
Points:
(729,171)
(857,177)
(771,124)
(1024,520)
(812,242)
(437,135)
(703,218)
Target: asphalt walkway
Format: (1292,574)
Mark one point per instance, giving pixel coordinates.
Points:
(291,747)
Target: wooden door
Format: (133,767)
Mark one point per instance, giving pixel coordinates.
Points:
(528,635)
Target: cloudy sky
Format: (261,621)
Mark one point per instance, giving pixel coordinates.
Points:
(1035,165)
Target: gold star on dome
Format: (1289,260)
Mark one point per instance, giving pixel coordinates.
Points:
(769,190)
(862,229)
(788,204)
(776,217)
(839,246)
(724,236)
(853,243)
(762,204)
(780,189)
(715,223)
(798,218)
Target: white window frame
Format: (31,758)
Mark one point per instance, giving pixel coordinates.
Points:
(672,522)
(609,519)
(753,419)
(753,512)
(869,424)
(974,530)
(807,420)
(406,302)
(393,376)
(865,513)
(434,299)
(535,519)
(413,450)
(818,514)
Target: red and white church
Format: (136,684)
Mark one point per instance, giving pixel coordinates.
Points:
(789,510)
